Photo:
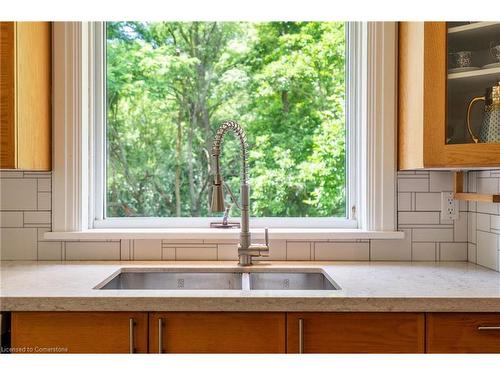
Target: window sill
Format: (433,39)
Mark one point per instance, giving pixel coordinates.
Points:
(224,234)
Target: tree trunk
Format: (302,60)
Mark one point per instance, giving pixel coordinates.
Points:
(284,101)
(192,194)
(178,165)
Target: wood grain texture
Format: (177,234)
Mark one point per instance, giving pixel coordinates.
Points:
(34,93)
(435,78)
(422,109)
(187,332)
(410,95)
(458,333)
(79,332)
(7,94)
(459,194)
(357,332)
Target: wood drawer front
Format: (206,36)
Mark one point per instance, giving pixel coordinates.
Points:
(459,333)
(187,332)
(80,332)
(357,332)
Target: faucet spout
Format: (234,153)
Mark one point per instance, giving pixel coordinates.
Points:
(246,250)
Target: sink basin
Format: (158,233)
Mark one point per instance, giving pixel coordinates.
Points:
(175,280)
(229,279)
(290,281)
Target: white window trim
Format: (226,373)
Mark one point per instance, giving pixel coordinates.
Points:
(77,110)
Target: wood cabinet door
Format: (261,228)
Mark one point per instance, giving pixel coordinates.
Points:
(7,95)
(214,332)
(355,332)
(463,333)
(79,332)
(25,95)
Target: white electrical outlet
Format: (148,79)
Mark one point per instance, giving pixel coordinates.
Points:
(449,206)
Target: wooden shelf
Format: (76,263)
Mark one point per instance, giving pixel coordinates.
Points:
(489,73)
(474,37)
(458,190)
(473,27)
(474,80)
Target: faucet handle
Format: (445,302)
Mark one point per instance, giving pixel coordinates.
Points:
(266,236)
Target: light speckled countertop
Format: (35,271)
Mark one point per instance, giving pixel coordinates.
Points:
(365,286)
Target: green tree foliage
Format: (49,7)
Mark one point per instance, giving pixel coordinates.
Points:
(169,86)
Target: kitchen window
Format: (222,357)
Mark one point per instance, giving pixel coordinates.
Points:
(170,84)
(156,92)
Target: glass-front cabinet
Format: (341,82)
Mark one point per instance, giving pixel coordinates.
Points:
(473,82)
(449,95)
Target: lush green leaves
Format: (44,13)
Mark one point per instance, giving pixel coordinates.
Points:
(170,84)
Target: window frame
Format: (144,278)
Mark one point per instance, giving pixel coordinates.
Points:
(79,158)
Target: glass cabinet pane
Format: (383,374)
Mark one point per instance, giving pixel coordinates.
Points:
(473,81)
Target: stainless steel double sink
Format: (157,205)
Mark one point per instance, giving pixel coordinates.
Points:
(270,279)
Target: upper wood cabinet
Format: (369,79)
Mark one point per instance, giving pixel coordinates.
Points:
(442,67)
(25,95)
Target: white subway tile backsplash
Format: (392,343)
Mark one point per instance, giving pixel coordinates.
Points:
(485,173)
(495,222)
(455,251)
(341,251)
(472,206)
(471,253)
(10,174)
(11,219)
(92,250)
(168,253)
(44,184)
(126,249)
(36,174)
(26,204)
(440,181)
(463,206)
(44,201)
(18,194)
(227,251)
(423,251)
(471,227)
(196,253)
(483,222)
(298,250)
(428,201)
(418,217)
(487,185)
(18,244)
(147,250)
(487,249)
(488,208)
(392,249)
(460,228)
(413,184)
(50,250)
(277,250)
(432,235)
(216,241)
(404,201)
(37,218)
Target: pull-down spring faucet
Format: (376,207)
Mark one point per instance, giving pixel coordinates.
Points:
(246,250)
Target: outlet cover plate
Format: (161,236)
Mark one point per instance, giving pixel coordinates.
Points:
(449,206)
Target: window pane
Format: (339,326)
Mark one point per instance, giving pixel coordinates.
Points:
(169,86)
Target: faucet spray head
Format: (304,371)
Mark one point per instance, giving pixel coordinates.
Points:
(218,204)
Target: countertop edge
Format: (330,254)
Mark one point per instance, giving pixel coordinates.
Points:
(253,304)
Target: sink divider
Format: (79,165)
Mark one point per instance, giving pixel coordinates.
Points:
(245,281)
